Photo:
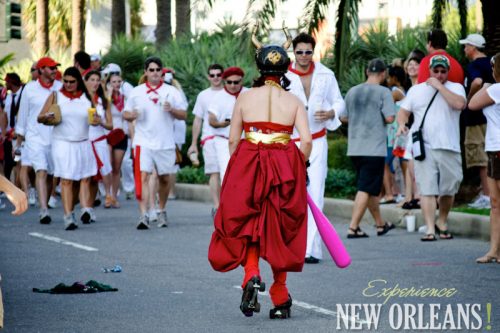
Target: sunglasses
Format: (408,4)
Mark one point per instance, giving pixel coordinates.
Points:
(154,70)
(215,75)
(69,81)
(444,71)
(233,82)
(300,52)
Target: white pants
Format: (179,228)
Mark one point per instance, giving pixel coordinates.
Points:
(316,189)
(127,171)
(221,146)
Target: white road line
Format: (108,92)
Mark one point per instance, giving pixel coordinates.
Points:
(62,241)
(314,308)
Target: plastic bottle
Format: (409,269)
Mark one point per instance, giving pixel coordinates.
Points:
(400,146)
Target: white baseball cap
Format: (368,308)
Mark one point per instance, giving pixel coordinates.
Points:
(112,68)
(95,57)
(475,40)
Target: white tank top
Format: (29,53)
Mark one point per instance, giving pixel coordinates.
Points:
(98,131)
(74,115)
(117,116)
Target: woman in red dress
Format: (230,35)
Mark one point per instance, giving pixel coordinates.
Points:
(263,207)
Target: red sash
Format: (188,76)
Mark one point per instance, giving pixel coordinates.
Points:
(137,172)
(98,175)
(208,138)
(315,136)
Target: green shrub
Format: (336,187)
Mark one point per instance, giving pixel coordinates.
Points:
(340,183)
(192,175)
(337,154)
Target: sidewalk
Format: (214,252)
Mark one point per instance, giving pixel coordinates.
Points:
(465,225)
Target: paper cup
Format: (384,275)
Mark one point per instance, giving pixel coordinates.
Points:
(410,223)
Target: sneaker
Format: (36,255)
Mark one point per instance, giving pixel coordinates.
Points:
(422,229)
(162,219)
(400,198)
(143,222)
(152,215)
(482,202)
(85,217)
(129,195)
(32,196)
(52,202)
(70,222)
(44,216)
(2,205)
(93,217)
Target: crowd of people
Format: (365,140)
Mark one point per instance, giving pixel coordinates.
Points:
(86,133)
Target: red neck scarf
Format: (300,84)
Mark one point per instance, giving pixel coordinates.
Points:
(45,85)
(118,101)
(151,89)
(86,71)
(71,95)
(95,99)
(309,72)
(236,94)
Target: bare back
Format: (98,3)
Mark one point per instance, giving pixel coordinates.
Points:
(255,104)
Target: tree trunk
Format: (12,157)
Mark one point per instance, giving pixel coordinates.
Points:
(491,29)
(77,26)
(42,26)
(163,23)
(182,17)
(117,18)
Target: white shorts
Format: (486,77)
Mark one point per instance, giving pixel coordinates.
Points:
(440,173)
(73,160)
(222,154)
(38,156)
(163,160)
(102,150)
(210,157)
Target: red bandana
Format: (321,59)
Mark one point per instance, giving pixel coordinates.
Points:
(118,101)
(154,90)
(236,94)
(86,71)
(70,95)
(95,99)
(293,70)
(46,86)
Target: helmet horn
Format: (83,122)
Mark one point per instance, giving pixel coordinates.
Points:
(255,41)
(288,42)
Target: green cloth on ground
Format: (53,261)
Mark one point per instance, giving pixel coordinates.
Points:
(90,287)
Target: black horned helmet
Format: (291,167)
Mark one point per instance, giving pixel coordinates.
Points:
(272,59)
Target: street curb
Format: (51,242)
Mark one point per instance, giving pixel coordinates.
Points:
(462,224)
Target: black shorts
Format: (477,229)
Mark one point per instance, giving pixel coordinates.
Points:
(494,164)
(369,173)
(122,145)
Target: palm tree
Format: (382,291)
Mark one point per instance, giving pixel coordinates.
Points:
(182,17)
(78,26)
(438,8)
(117,18)
(42,26)
(491,27)
(163,23)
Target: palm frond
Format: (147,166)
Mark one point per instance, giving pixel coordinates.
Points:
(314,12)
(260,12)
(437,13)
(346,25)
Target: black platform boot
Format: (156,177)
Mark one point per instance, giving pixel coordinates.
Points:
(282,311)
(249,303)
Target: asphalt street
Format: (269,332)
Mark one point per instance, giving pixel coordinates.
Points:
(167,284)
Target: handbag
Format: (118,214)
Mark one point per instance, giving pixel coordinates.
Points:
(55,109)
(178,156)
(418,149)
(115,136)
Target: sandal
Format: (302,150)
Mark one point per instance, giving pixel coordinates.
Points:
(487,259)
(412,204)
(385,201)
(357,233)
(429,238)
(385,228)
(443,234)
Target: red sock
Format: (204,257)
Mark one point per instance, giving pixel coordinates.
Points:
(252,263)
(279,291)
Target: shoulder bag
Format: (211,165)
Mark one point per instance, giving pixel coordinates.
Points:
(417,137)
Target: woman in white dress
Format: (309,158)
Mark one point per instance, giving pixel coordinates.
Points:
(98,135)
(71,148)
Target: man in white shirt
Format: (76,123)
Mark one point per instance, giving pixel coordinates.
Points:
(153,106)
(200,111)
(37,137)
(440,173)
(220,113)
(318,89)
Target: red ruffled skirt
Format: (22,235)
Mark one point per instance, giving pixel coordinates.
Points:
(263,200)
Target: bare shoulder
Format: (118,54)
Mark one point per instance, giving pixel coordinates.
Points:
(292,99)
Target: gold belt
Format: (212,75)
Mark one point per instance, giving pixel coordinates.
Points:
(255,137)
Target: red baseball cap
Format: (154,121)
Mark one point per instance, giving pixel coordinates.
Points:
(233,71)
(46,62)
